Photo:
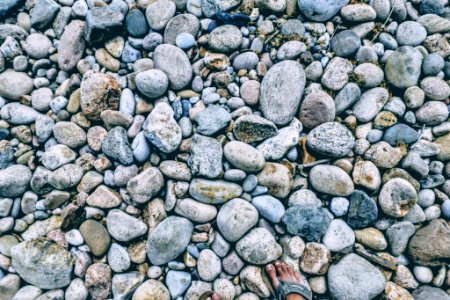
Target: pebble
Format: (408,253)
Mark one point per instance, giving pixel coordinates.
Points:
(161,129)
(152,83)
(185,40)
(331,139)
(400,134)
(13,85)
(362,211)
(124,227)
(277,104)
(98,92)
(331,180)
(145,185)
(243,156)
(42,263)
(370,104)
(212,119)
(208,265)
(307,221)
(338,236)
(367,279)
(151,289)
(345,43)
(14,180)
(213,192)
(276,147)
(168,240)
(269,208)
(180,73)
(96,237)
(235,218)
(159,13)
(410,33)
(206,156)
(317,108)
(435,88)
(336,73)
(403,67)
(177,282)
(322,10)
(225,38)
(397,197)
(258,247)
(136,24)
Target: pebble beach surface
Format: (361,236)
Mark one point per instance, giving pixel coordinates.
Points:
(159,149)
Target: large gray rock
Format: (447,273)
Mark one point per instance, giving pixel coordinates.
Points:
(331,139)
(206,156)
(168,240)
(281,91)
(431,244)
(14,181)
(258,247)
(42,263)
(235,218)
(320,10)
(354,278)
(15,84)
(403,67)
(174,62)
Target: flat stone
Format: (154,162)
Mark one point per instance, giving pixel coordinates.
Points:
(336,73)
(14,84)
(370,104)
(430,245)
(281,92)
(331,180)
(354,277)
(42,263)
(317,108)
(168,240)
(213,192)
(212,119)
(96,237)
(103,197)
(269,208)
(174,62)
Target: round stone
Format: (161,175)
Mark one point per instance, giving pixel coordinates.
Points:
(152,83)
(338,236)
(244,156)
(410,33)
(397,197)
(345,43)
(37,45)
(331,180)
(185,40)
(225,38)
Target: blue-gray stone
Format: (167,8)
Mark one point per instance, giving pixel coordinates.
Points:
(177,282)
(6,6)
(435,7)
(43,13)
(307,221)
(345,43)
(346,97)
(136,23)
(400,134)
(363,210)
(269,208)
(212,119)
(185,40)
(129,54)
(432,181)
(433,64)
(116,146)
(320,10)
(446,209)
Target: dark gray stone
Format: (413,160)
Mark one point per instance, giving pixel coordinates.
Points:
(363,210)
(400,134)
(116,146)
